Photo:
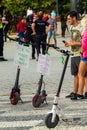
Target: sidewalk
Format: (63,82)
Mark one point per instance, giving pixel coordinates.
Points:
(25,116)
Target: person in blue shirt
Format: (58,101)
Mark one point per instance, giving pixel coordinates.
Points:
(52,31)
(53,14)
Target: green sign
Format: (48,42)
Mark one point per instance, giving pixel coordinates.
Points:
(22,55)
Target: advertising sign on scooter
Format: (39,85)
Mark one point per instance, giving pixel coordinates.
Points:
(22,55)
(44,63)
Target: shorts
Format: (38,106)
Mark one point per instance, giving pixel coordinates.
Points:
(51,33)
(75,65)
(84,59)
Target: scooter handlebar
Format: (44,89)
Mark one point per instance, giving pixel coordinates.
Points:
(65,52)
(10,38)
(17,40)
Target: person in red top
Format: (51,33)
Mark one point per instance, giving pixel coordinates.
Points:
(21,27)
(45,17)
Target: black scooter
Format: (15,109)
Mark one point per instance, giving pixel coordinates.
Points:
(16,92)
(52,118)
(40,96)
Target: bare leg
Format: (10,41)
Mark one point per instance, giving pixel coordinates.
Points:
(82,70)
(85,84)
(48,43)
(76,82)
(48,40)
(55,42)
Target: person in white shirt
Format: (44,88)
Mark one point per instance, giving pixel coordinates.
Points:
(84,13)
(29,11)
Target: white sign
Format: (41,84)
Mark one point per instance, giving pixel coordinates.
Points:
(44,63)
(22,55)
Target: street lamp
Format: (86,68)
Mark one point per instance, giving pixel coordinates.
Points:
(73,4)
(57,8)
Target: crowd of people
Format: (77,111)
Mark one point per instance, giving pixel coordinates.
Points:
(38,28)
(33,27)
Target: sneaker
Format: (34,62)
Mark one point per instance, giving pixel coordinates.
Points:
(77,97)
(37,59)
(33,58)
(85,95)
(3,59)
(74,96)
(70,95)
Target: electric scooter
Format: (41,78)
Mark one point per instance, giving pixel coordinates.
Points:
(52,118)
(40,96)
(16,92)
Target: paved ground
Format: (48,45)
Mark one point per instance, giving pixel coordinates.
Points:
(25,116)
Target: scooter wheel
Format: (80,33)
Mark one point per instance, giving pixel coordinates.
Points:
(37,100)
(15,98)
(48,122)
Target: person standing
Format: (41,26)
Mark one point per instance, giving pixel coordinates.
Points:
(29,11)
(21,27)
(83,62)
(53,14)
(28,34)
(63,25)
(75,44)
(84,13)
(6,28)
(39,29)
(52,31)
(2,26)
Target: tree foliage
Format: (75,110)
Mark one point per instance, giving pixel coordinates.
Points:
(15,8)
(20,6)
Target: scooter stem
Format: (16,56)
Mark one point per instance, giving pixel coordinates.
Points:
(54,108)
(17,78)
(40,84)
(62,76)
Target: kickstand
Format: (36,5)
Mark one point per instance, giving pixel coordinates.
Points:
(46,102)
(21,100)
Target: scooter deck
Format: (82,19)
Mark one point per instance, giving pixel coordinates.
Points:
(72,110)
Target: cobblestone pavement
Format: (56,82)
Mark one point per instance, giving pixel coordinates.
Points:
(24,116)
